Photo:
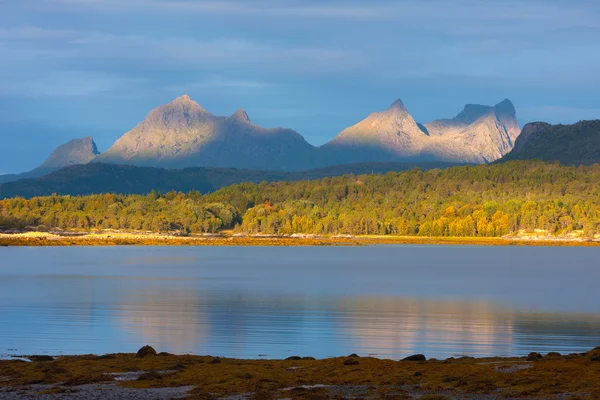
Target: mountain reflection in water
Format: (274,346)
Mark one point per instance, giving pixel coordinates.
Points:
(246,302)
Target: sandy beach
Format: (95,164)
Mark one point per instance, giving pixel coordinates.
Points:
(117,238)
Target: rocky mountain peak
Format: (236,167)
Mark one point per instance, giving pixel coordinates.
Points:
(184,102)
(74,152)
(398,105)
(473,112)
(240,115)
(183,99)
(505,108)
(183,112)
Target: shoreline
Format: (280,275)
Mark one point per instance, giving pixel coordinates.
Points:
(117,238)
(151,375)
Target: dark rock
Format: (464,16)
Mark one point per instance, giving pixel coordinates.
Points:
(354,355)
(41,358)
(145,352)
(178,367)
(533,356)
(418,373)
(351,361)
(415,357)
(294,358)
(164,354)
(594,355)
(150,376)
(215,360)
(308,358)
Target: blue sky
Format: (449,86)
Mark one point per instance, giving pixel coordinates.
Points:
(73,68)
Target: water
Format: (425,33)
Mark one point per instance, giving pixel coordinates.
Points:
(274,302)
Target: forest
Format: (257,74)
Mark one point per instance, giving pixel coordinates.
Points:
(467,201)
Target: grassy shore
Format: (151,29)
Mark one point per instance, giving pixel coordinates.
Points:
(227,239)
(575,376)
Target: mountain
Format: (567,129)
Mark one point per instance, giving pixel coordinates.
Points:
(74,152)
(478,134)
(389,135)
(570,144)
(127,179)
(183,134)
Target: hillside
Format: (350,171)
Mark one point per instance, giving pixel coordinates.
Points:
(570,144)
(471,201)
(109,178)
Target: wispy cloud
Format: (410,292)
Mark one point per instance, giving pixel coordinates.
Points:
(148,51)
(440,14)
(218,83)
(68,84)
(33,32)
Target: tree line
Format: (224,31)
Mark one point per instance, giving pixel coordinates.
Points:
(469,201)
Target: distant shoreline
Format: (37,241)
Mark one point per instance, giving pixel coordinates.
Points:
(42,239)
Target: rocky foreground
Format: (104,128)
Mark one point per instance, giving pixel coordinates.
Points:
(148,375)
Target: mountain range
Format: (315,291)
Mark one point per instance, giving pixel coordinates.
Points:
(178,138)
(183,134)
(478,134)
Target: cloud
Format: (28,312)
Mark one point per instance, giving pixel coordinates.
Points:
(33,32)
(68,84)
(144,51)
(465,17)
(218,83)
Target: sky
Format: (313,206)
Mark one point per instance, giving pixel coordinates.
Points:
(76,68)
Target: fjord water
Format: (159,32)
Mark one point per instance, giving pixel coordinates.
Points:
(274,302)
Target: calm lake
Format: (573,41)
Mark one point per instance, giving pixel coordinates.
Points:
(274,302)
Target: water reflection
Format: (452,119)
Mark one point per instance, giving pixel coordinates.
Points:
(394,327)
(171,318)
(242,303)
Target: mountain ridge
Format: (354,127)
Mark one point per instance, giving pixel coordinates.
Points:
(127,179)
(574,144)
